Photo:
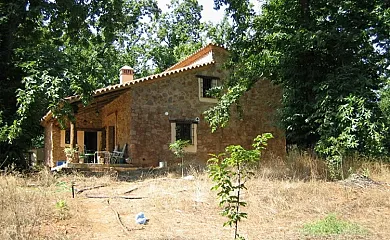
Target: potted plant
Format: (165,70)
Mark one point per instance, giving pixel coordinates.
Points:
(71,154)
(81,158)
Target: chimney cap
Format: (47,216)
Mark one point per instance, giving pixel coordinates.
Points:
(126,68)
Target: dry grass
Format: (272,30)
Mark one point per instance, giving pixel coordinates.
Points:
(282,198)
(30,206)
(25,207)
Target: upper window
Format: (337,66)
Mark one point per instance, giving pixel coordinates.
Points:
(205,84)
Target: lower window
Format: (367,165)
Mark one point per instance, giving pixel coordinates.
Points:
(184,130)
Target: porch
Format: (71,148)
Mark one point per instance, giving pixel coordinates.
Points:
(99,132)
(94,167)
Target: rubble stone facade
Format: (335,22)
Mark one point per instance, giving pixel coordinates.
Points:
(142,118)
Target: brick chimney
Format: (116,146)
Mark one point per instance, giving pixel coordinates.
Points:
(126,74)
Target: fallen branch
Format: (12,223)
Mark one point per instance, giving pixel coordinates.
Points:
(118,218)
(129,191)
(89,188)
(199,201)
(104,196)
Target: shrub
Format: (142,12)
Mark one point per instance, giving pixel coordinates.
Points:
(331,225)
(230,171)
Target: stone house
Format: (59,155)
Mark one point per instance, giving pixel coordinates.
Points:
(149,113)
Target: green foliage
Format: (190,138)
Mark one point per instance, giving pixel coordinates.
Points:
(62,209)
(178,146)
(62,187)
(330,57)
(384,103)
(219,115)
(230,171)
(358,130)
(51,50)
(331,225)
(177,149)
(38,141)
(70,152)
(220,32)
(171,36)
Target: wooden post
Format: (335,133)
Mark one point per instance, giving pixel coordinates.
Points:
(73,129)
(72,135)
(72,189)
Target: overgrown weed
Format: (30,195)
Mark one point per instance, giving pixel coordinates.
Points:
(27,203)
(306,166)
(332,225)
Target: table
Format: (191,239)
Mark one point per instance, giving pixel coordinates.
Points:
(89,156)
(102,154)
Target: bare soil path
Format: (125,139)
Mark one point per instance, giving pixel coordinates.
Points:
(182,209)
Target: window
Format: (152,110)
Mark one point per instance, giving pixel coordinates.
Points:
(185,130)
(67,136)
(205,84)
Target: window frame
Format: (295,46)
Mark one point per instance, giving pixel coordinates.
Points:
(189,135)
(67,137)
(215,81)
(192,147)
(64,133)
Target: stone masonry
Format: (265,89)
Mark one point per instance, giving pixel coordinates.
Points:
(142,117)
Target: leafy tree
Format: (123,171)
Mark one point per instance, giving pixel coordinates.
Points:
(325,55)
(53,49)
(177,149)
(230,171)
(219,33)
(357,131)
(173,35)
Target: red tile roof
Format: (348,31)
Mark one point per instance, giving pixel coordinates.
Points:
(195,56)
(121,86)
(179,67)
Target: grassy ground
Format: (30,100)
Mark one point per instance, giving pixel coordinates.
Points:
(284,197)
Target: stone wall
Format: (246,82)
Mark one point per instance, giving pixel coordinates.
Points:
(142,118)
(117,113)
(150,130)
(58,151)
(90,119)
(258,115)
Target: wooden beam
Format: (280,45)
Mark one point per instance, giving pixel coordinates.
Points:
(112,197)
(73,133)
(73,129)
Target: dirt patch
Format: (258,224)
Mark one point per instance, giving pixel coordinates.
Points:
(187,209)
(183,209)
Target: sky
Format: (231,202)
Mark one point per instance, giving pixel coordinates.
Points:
(208,13)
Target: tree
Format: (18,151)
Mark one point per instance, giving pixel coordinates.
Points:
(173,35)
(53,49)
(323,54)
(230,171)
(177,149)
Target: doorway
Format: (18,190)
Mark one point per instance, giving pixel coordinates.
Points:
(90,141)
